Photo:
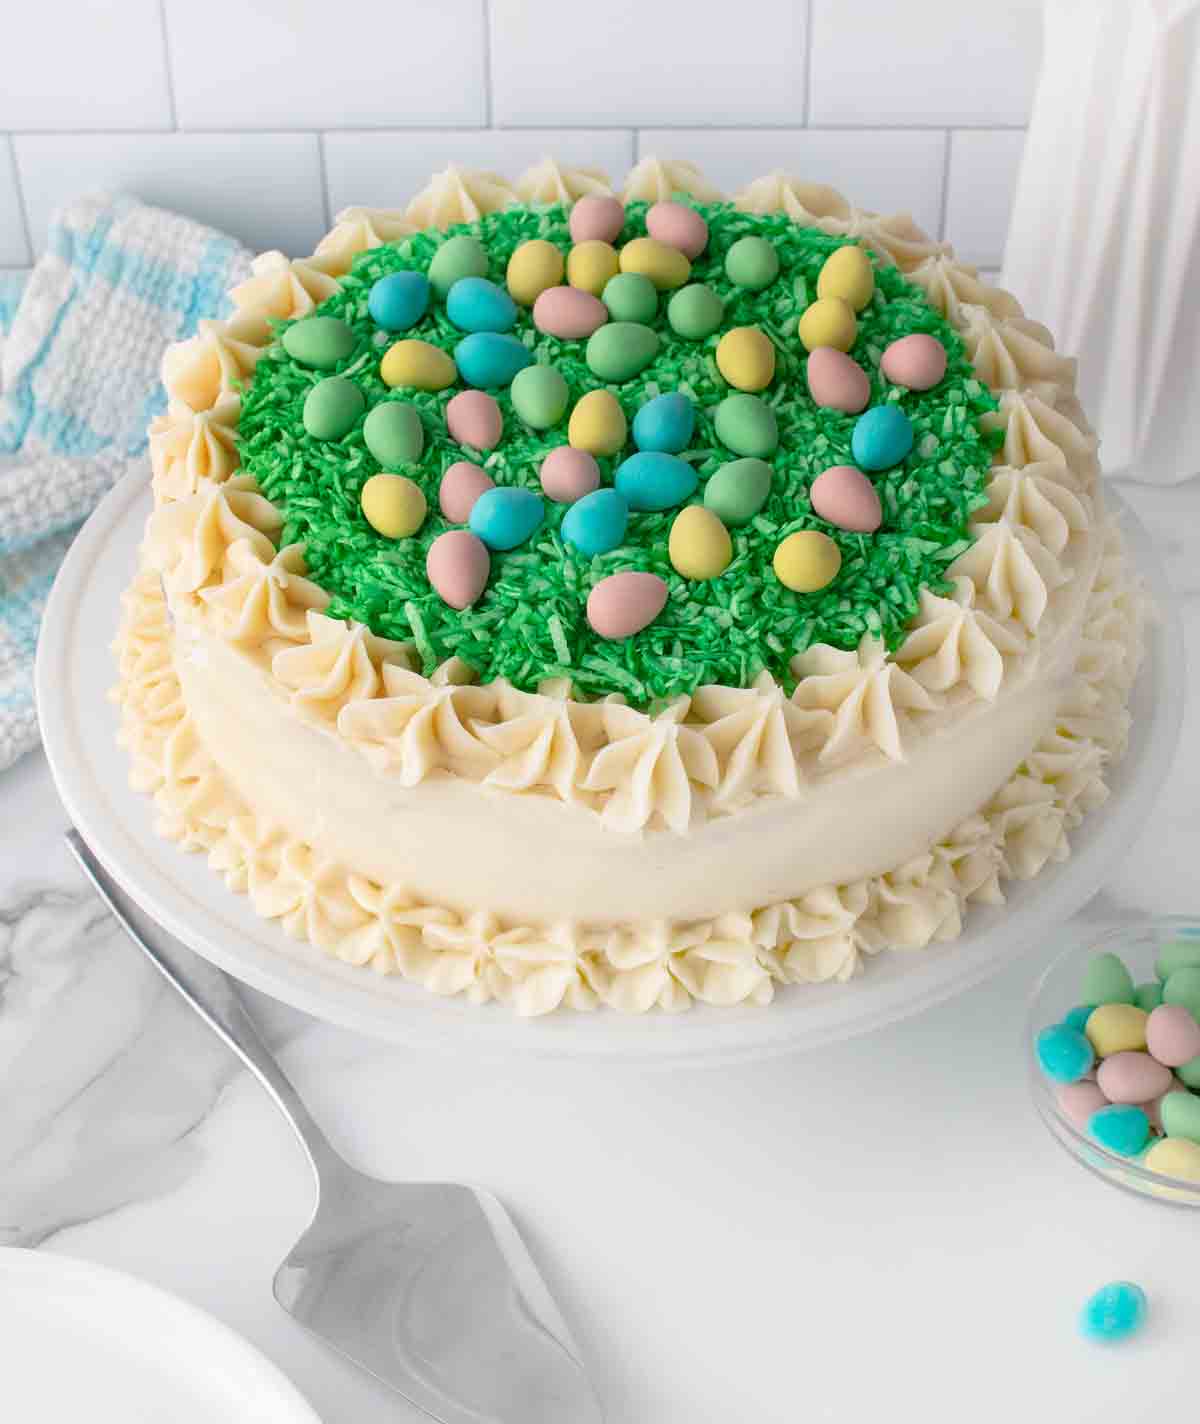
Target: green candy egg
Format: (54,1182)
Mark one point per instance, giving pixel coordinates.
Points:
(539,396)
(1107,981)
(1180,954)
(747,425)
(1148,996)
(1183,987)
(752,262)
(457,257)
(738,490)
(319,341)
(1181,1115)
(630,296)
(394,433)
(618,350)
(1190,1073)
(695,312)
(332,408)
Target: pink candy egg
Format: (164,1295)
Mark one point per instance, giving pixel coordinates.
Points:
(624,604)
(1079,1101)
(917,361)
(457,566)
(461,486)
(596,219)
(845,497)
(569,313)
(1173,1035)
(473,418)
(836,381)
(678,226)
(568,474)
(1131,1077)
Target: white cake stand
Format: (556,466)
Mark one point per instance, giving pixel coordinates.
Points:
(75,668)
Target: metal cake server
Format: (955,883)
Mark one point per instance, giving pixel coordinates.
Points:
(427,1286)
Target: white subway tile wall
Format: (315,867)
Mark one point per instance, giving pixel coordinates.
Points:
(264,117)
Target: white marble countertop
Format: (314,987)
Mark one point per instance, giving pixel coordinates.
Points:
(880,1227)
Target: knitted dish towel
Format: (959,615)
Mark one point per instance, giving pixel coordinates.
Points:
(79,383)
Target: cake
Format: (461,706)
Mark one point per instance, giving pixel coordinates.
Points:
(542,635)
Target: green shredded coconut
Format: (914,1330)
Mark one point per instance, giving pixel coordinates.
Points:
(530,624)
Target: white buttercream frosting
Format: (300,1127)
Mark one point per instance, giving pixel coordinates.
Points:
(954,643)
(357,230)
(551,182)
(655,180)
(283,289)
(459,195)
(868,696)
(190,449)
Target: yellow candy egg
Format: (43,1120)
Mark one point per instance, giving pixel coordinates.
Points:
(1116,1028)
(1175,1157)
(699,545)
(666,267)
(597,424)
(847,274)
(419,365)
(746,358)
(591,265)
(532,269)
(828,322)
(394,505)
(807,561)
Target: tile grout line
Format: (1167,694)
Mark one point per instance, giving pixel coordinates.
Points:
(808,67)
(945,197)
(488,79)
(323,171)
(22,205)
(600,128)
(168,71)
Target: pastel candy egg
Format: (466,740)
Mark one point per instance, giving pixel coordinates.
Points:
(399,300)
(917,362)
(828,322)
(807,561)
(836,381)
(1173,1035)
(665,266)
(568,474)
(505,517)
(457,257)
(1189,1073)
(738,490)
(847,274)
(695,312)
(747,425)
(1148,996)
(591,265)
(1107,981)
(417,365)
(1175,1157)
(596,218)
(631,297)
(394,505)
(1183,987)
(620,350)
(475,304)
(666,423)
(539,395)
(1180,954)
(457,565)
(1121,1127)
(394,434)
(1063,1053)
(1079,1100)
(487,358)
(473,418)
(746,358)
(1117,1028)
(597,424)
(678,226)
(1180,1113)
(653,481)
(752,262)
(461,486)
(881,438)
(332,408)
(1078,1016)
(568,313)
(1115,1312)
(845,497)
(596,523)
(623,604)
(699,545)
(1132,1077)
(533,267)
(319,342)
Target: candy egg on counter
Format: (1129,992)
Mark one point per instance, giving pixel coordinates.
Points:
(629,296)
(738,490)
(844,496)
(1115,1312)
(623,604)
(457,257)
(596,523)
(461,486)
(666,267)
(836,381)
(752,262)
(394,434)
(487,358)
(1063,1053)
(591,265)
(596,218)
(747,425)
(1107,981)
(848,274)
(458,565)
(1121,1127)
(699,545)
(1116,1028)
(1079,1100)
(881,438)
(475,304)
(807,561)
(533,267)
(666,423)
(539,395)
(653,481)
(917,362)
(1173,1035)
(1133,1077)
(332,408)
(620,350)
(678,226)
(506,516)
(418,365)
(695,312)
(394,505)
(399,300)
(319,342)
(828,322)
(473,418)
(597,424)
(569,313)
(746,358)
(568,474)
(1175,1157)
(1180,1114)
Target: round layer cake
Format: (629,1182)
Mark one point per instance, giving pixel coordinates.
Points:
(580,598)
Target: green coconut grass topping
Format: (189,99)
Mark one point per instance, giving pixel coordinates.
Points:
(530,623)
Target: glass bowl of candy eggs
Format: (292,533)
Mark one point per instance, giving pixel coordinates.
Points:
(1113,1043)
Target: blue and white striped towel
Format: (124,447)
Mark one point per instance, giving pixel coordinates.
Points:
(83,338)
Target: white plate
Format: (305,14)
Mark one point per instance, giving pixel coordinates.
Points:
(85,1342)
(75,667)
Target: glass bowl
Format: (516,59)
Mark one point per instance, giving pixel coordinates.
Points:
(1057,991)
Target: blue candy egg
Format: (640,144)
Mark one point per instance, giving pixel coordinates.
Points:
(399,301)
(505,517)
(1063,1053)
(653,480)
(665,423)
(488,358)
(475,304)
(882,437)
(1077,1017)
(1115,1312)
(596,523)
(1121,1128)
